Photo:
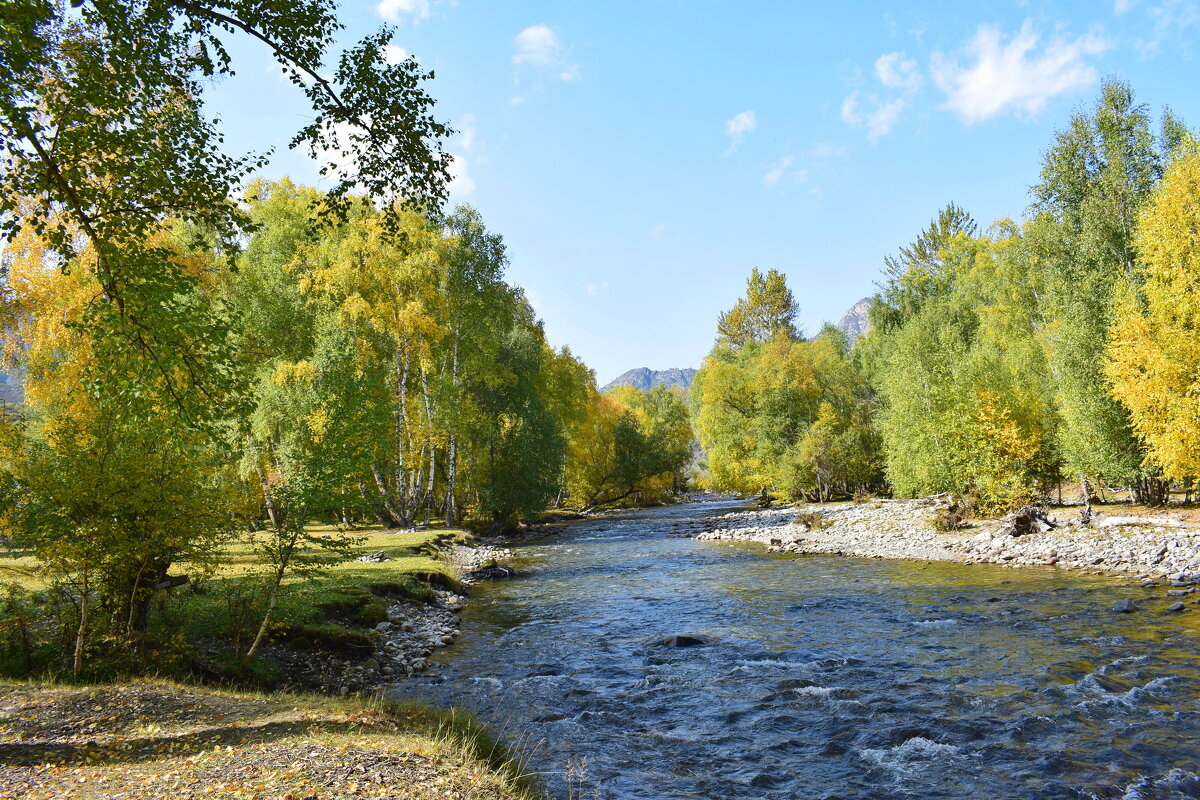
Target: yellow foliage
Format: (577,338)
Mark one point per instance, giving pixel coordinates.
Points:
(1155,351)
(294,372)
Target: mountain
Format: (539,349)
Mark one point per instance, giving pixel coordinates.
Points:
(12,387)
(854,322)
(646,379)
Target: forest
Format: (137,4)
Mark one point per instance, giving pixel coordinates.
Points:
(206,363)
(1000,362)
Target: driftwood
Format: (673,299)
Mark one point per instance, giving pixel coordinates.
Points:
(1029,519)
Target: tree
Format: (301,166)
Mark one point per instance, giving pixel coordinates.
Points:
(1094,180)
(965,399)
(1154,346)
(779,415)
(921,270)
(767,310)
(104,138)
(110,487)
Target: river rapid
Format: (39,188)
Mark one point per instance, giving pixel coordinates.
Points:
(823,676)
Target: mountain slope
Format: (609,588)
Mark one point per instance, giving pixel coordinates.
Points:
(645,379)
(854,322)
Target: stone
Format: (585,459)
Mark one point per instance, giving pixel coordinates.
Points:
(1124,606)
(1175,607)
(683,640)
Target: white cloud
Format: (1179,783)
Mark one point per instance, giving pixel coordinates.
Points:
(897,71)
(660,230)
(738,127)
(783,168)
(1015,75)
(878,119)
(1121,6)
(594,289)
(393,55)
(396,10)
(467,132)
(1170,20)
(517,100)
(829,150)
(776,171)
(539,45)
(878,111)
(461,184)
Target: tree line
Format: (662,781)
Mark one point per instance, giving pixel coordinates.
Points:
(1001,362)
(207,360)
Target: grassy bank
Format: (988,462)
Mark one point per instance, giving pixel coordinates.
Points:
(162,740)
(203,627)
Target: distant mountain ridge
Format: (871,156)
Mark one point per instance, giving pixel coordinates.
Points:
(854,322)
(646,379)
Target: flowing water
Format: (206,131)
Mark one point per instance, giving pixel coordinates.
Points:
(825,677)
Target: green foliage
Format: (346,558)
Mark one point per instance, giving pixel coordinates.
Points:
(630,444)
(965,400)
(1095,178)
(767,310)
(785,416)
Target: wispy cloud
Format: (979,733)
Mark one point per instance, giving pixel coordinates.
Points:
(875,115)
(898,71)
(540,46)
(877,110)
(826,150)
(783,168)
(399,10)
(1013,74)
(594,289)
(393,55)
(738,127)
(1171,20)
(462,185)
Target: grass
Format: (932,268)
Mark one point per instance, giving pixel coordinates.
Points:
(332,611)
(160,739)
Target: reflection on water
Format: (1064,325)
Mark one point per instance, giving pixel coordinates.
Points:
(826,677)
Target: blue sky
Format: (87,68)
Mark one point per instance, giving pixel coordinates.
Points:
(641,157)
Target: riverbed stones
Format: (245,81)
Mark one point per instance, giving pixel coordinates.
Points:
(904,529)
(1124,606)
(1174,607)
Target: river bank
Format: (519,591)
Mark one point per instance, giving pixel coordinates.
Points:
(151,739)
(1163,546)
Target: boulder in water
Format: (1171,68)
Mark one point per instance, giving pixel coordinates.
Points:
(1124,606)
(683,640)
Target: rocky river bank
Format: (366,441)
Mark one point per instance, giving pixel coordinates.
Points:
(1158,547)
(406,643)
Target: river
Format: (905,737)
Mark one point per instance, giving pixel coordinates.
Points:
(822,677)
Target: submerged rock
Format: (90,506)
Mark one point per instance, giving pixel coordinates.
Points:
(1124,606)
(683,641)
